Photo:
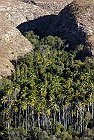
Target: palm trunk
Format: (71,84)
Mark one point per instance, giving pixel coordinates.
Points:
(43,119)
(81,127)
(59,115)
(32,117)
(39,121)
(15,119)
(88,108)
(19,118)
(77,116)
(92,110)
(54,116)
(72,117)
(26,120)
(66,119)
(8,129)
(23,120)
(63,116)
(25,71)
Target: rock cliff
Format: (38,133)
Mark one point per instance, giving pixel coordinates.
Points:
(75,23)
(12,42)
(53,6)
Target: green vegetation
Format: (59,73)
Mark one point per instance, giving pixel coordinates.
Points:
(51,94)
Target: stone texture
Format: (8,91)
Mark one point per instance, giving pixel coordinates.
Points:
(53,6)
(12,42)
(75,23)
(5,67)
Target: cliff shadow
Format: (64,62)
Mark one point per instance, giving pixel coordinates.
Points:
(39,26)
(63,25)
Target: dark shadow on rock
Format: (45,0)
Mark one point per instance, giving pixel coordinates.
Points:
(64,25)
(39,26)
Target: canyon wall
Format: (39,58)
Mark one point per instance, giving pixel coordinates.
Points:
(12,43)
(75,23)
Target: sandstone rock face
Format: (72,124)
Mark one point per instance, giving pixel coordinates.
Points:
(12,42)
(53,6)
(75,22)
(42,24)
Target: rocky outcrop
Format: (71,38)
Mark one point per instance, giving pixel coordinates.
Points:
(12,42)
(53,6)
(75,23)
(41,24)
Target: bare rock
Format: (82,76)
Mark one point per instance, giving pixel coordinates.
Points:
(53,6)
(12,43)
(75,23)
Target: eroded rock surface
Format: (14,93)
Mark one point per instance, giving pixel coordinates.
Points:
(75,23)
(53,6)
(12,42)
